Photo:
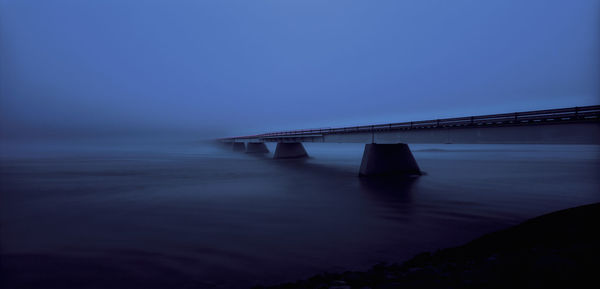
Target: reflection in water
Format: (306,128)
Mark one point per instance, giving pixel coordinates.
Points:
(390,189)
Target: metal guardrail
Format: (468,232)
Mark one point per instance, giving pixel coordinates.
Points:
(562,115)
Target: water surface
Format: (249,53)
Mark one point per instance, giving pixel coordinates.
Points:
(195,215)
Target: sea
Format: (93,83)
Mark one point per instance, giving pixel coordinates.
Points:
(190,213)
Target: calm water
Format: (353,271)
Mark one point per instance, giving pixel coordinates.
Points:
(193,215)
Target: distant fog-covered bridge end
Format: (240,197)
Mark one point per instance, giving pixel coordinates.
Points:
(386,145)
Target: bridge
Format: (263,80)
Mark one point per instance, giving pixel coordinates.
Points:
(386,145)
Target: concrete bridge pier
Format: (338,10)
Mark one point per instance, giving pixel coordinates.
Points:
(256,147)
(386,159)
(290,150)
(239,147)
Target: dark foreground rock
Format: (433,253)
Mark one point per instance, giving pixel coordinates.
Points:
(558,250)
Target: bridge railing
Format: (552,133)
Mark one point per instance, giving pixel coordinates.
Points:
(584,113)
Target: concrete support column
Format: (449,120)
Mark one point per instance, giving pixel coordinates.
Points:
(291,150)
(239,147)
(257,147)
(386,159)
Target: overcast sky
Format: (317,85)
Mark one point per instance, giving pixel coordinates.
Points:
(242,67)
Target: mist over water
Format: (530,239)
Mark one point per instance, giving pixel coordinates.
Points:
(179,214)
(237,67)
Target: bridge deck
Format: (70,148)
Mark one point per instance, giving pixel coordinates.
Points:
(574,115)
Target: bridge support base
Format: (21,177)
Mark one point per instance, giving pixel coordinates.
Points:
(256,147)
(292,150)
(387,159)
(239,147)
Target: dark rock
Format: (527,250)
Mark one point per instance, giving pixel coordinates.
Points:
(558,250)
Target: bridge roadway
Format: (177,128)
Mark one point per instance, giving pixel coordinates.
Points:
(387,152)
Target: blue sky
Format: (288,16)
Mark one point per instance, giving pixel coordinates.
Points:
(241,67)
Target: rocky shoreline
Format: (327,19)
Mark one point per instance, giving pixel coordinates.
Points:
(557,250)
